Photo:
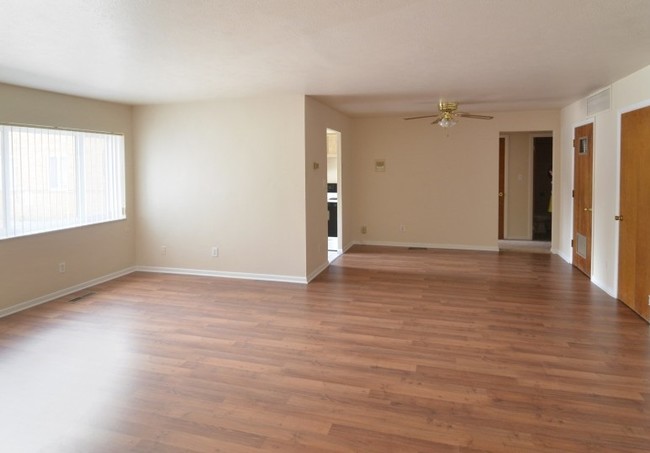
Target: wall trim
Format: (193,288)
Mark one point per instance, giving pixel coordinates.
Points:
(519,238)
(602,285)
(64,292)
(324,266)
(478,248)
(317,271)
(349,246)
(565,257)
(223,274)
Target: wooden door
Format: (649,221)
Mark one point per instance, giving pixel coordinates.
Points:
(502,179)
(634,227)
(583,146)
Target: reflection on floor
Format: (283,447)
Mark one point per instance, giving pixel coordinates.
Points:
(508,245)
(332,248)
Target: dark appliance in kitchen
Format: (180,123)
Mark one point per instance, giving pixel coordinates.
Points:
(332,203)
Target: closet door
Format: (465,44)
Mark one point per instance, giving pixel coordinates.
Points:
(583,162)
(634,215)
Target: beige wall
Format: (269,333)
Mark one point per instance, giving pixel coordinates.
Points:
(29,265)
(442,188)
(626,94)
(319,118)
(239,174)
(227,173)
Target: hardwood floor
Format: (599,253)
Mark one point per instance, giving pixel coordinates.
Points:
(389,350)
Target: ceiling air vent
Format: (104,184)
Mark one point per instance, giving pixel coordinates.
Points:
(598,102)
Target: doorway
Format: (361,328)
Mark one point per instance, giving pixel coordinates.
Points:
(334,218)
(542,188)
(525,191)
(502,184)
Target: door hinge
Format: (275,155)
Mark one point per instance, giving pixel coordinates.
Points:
(573,194)
(571,243)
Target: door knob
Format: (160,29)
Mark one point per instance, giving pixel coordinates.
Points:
(588,209)
(618,217)
(500,194)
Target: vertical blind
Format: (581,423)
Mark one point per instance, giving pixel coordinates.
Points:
(52,179)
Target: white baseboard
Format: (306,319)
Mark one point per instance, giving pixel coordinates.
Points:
(240,275)
(96,281)
(478,248)
(318,270)
(565,257)
(222,274)
(324,266)
(608,289)
(602,285)
(63,292)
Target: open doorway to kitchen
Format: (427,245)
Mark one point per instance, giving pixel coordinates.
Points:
(334,221)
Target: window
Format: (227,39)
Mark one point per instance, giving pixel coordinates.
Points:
(52,179)
(584,145)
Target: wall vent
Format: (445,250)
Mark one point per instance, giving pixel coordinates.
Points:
(599,102)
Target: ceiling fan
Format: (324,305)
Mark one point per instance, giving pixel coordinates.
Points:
(448,114)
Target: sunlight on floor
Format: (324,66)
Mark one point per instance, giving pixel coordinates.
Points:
(332,248)
(52,382)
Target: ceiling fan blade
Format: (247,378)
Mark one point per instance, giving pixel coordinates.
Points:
(471,115)
(437,120)
(420,117)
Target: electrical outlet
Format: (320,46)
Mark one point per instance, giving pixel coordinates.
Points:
(364,230)
(402,228)
(215,252)
(163,250)
(62,267)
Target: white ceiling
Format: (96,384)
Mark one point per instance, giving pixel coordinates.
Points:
(363,57)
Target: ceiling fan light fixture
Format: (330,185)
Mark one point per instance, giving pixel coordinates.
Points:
(447,114)
(447,122)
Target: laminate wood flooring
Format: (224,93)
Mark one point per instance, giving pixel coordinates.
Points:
(388,350)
